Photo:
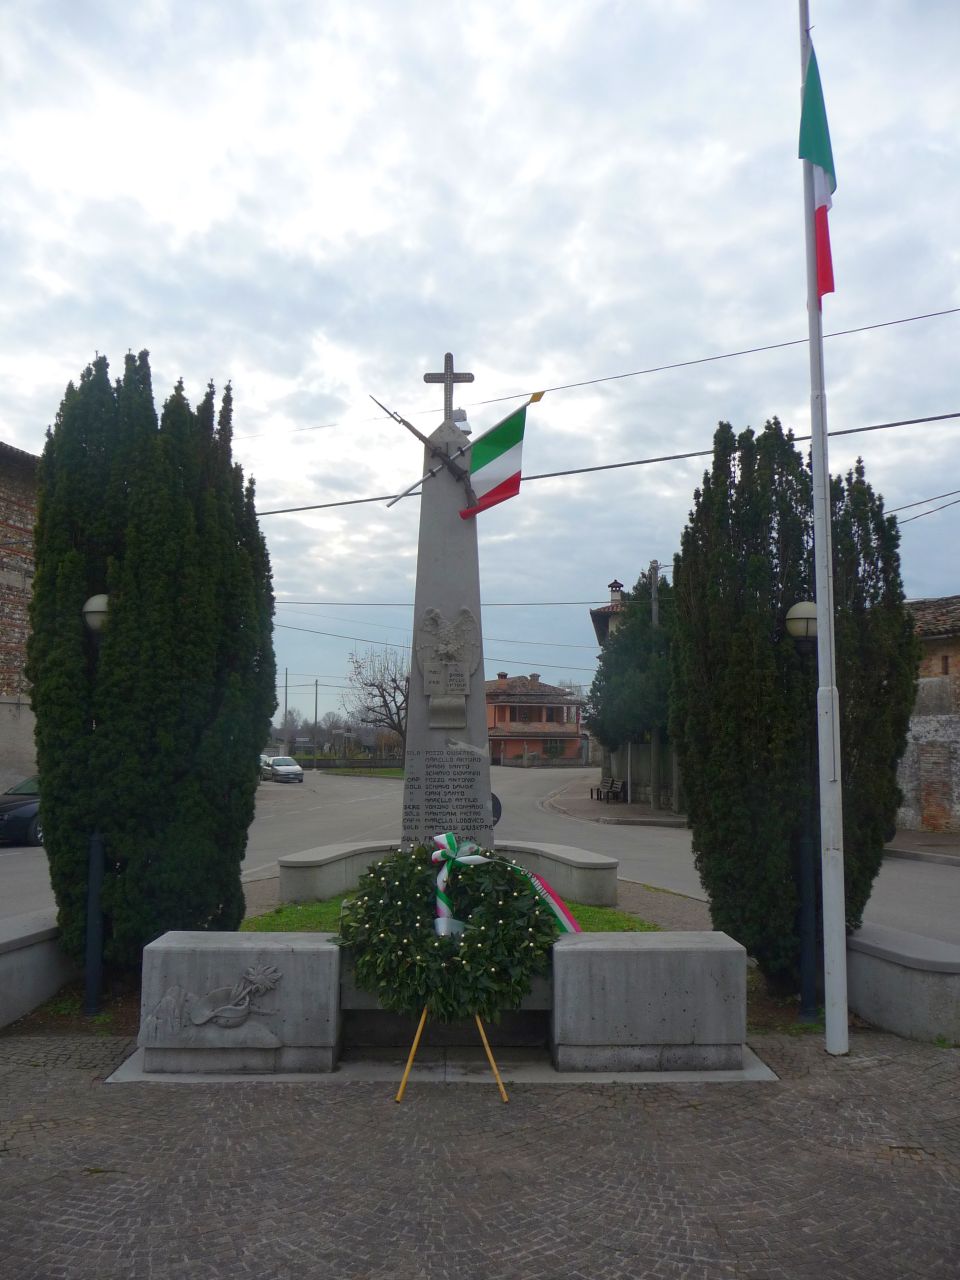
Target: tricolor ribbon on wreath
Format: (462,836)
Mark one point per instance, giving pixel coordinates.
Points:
(450,852)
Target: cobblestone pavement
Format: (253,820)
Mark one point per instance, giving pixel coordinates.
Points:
(848,1167)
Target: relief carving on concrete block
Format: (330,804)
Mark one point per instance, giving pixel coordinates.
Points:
(448,653)
(219,1019)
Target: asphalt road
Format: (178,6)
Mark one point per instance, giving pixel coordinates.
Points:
(24,881)
(921,897)
(323,809)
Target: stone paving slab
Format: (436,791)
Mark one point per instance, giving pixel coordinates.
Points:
(848,1167)
(455,1065)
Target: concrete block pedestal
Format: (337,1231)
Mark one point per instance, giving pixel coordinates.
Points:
(240,1002)
(648,1002)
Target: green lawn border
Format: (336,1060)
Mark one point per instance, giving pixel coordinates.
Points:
(324,917)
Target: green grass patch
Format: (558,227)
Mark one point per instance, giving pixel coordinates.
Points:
(299,917)
(64,1011)
(65,1005)
(609,920)
(324,917)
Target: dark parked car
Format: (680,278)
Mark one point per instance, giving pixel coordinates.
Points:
(19,814)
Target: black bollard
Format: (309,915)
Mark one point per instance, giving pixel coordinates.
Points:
(809,1009)
(93,965)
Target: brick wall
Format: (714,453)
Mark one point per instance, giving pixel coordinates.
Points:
(18,509)
(940,660)
(929,775)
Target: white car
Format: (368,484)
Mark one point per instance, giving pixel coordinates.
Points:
(282,769)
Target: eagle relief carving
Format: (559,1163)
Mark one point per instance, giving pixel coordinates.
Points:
(448,653)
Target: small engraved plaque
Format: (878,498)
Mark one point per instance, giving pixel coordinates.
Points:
(458,681)
(448,654)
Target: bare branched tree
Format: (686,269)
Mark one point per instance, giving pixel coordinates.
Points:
(331,720)
(379,683)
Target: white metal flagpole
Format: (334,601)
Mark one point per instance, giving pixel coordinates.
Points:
(828,700)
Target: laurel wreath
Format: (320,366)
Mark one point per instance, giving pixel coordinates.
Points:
(487,969)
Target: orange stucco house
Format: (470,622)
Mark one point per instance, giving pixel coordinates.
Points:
(529,722)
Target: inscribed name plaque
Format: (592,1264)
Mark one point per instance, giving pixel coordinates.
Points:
(446,790)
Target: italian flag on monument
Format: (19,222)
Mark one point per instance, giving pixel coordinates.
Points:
(815,147)
(495,461)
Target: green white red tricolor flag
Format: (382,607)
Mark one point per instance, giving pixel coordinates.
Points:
(495,461)
(815,147)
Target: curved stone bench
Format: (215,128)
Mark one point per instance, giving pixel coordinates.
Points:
(32,966)
(329,870)
(904,982)
(312,875)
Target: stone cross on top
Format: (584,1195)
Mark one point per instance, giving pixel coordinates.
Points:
(448,378)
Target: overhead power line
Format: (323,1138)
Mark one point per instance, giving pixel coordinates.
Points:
(705,453)
(639,373)
(388,644)
(319,684)
(726,355)
(922,502)
(615,466)
(342,502)
(932,511)
(549,644)
(408,604)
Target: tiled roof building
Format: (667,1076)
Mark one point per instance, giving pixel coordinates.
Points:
(529,722)
(938,628)
(606,618)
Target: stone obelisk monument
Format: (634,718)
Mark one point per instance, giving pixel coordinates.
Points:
(447,764)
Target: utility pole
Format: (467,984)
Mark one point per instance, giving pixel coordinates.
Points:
(286,728)
(316,686)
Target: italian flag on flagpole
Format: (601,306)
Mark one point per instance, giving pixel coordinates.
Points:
(495,461)
(815,147)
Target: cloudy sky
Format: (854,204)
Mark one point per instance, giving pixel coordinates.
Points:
(316,200)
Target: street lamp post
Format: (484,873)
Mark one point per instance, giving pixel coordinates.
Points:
(94,616)
(802,627)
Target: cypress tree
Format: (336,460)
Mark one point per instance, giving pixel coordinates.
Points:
(877,663)
(629,695)
(153,736)
(743,700)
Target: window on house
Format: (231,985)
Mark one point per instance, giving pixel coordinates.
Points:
(945,664)
(552,716)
